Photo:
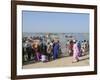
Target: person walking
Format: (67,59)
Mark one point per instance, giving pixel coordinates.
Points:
(75,52)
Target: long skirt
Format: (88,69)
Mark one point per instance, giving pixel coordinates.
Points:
(55,54)
(38,56)
(75,56)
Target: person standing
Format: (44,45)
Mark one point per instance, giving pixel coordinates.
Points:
(36,49)
(85,46)
(71,48)
(28,49)
(82,48)
(79,47)
(55,50)
(75,52)
(49,51)
(43,50)
(67,47)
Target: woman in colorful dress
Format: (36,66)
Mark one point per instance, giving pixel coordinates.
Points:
(75,52)
(37,52)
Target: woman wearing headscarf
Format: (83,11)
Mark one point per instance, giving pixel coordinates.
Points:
(75,52)
(55,50)
(36,49)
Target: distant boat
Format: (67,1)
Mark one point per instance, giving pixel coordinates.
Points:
(68,36)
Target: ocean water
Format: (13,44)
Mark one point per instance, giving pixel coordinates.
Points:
(77,36)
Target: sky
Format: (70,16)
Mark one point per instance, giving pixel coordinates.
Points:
(55,22)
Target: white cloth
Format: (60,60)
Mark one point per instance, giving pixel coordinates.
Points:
(43,58)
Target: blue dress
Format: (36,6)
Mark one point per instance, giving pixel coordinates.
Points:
(55,50)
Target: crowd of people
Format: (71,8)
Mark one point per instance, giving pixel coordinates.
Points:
(77,49)
(38,49)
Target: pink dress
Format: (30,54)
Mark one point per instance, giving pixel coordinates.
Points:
(75,52)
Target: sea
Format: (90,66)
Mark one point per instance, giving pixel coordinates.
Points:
(62,36)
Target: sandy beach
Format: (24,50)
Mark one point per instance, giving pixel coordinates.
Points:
(61,62)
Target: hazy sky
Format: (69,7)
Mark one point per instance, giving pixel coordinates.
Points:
(55,22)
